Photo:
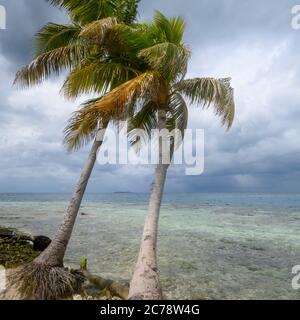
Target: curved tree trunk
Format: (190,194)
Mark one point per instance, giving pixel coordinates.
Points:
(54,254)
(145,283)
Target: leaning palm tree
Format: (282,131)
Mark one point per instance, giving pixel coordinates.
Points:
(170,60)
(159,98)
(94,66)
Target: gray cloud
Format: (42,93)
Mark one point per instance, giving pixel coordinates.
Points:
(24,19)
(252,41)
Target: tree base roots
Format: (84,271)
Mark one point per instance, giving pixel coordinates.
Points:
(36,281)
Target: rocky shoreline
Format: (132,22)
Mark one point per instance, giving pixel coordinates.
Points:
(17,249)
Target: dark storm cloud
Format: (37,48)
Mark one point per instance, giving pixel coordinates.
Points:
(24,19)
(224,20)
(251,41)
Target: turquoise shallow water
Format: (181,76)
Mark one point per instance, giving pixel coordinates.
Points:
(216,246)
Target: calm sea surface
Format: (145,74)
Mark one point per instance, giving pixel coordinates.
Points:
(215,246)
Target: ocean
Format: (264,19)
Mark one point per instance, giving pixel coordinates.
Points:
(211,246)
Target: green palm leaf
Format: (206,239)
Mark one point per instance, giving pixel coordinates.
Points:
(49,63)
(141,124)
(86,11)
(82,126)
(178,118)
(94,76)
(167,58)
(211,92)
(53,36)
(172,29)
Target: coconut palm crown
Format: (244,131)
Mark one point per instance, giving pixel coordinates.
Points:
(159,59)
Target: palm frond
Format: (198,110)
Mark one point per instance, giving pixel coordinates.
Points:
(86,11)
(122,98)
(127,11)
(141,124)
(169,59)
(126,42)
(95,31)
(82,126)
(179,113)
(172,29)
(49,63)
(211,92)
(67,4)
(94,76)
(53,36)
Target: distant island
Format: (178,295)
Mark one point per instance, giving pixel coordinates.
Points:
(124,192)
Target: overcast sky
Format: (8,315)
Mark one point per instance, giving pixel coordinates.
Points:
(249,40)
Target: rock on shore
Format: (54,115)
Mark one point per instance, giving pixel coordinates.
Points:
(17,248)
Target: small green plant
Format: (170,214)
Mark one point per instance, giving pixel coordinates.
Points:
(83,264)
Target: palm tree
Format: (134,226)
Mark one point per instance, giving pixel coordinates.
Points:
(170,59)
(94,66)
(159,98)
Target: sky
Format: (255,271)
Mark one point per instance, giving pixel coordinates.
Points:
(250,41)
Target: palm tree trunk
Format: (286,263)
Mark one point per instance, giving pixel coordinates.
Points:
(145,283)
(54,254)
(45,278)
